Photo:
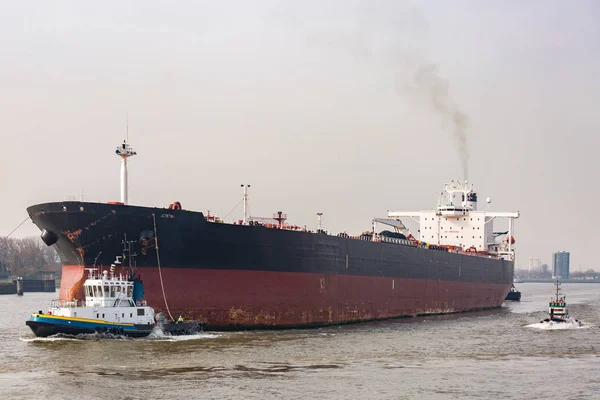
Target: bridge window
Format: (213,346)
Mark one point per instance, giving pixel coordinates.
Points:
(140,311)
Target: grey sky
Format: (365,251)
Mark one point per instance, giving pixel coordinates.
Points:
(313,103)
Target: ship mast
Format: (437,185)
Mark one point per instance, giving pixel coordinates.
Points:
(124,151)
(245,199)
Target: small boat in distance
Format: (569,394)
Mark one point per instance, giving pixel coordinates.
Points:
(513,294)
(517,280)
(113,305)
(557,310)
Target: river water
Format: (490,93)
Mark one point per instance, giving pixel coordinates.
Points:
(499,354)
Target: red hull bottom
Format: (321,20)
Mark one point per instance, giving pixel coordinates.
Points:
(234,299)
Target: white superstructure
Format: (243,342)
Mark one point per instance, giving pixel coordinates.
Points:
(108,298)
(458,224)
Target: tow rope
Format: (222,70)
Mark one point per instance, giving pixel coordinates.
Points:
(159,271)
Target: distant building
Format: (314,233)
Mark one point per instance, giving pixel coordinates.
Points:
(560,265)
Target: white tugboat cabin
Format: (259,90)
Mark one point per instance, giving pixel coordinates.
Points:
(107,298)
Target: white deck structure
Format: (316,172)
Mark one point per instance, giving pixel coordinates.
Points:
(107,298)
(458,224)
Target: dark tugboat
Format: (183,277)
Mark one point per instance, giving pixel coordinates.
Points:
(513,294)
(557,310)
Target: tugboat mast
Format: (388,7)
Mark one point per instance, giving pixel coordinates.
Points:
(557,283)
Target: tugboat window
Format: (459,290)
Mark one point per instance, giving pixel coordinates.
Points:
(140,311)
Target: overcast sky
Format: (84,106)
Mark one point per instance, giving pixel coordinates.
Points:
(349,108)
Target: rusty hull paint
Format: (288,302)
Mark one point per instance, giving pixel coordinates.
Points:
(71,282)
(235,299)
(74,235)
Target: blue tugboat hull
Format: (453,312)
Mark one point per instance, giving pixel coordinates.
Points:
(46,325)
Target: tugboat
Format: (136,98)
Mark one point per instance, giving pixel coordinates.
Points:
(513,294)
(557,310)
(112,305)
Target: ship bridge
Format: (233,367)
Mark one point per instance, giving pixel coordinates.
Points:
(457,223)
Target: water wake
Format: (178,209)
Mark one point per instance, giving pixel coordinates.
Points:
(558,325)
(159,334)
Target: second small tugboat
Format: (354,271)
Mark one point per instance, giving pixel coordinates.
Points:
(112,305)
(513,294)
(557,310)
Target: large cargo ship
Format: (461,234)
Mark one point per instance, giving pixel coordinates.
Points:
(266,273)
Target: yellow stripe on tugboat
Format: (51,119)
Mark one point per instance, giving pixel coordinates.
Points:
(96,321)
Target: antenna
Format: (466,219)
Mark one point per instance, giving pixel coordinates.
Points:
(127,117)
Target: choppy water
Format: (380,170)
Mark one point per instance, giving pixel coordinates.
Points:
(498,354)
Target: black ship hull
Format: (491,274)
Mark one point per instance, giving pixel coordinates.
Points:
(239,276)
